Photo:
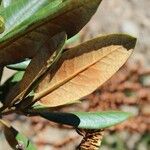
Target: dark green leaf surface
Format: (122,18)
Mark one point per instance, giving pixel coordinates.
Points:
(27,29)
(26,12)
(14,15)
(87,120)
(18,12)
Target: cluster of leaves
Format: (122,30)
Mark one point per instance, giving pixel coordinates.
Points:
(55,76)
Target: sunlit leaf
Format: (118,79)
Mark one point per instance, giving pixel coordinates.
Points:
(82,69)
(6,3)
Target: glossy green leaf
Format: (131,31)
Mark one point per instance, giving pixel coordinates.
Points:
(18,12)
(14,15)
(6,3)
(49,12)
(15,139)
(28,30)
(87,120)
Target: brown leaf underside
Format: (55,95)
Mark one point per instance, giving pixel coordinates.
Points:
(83,69)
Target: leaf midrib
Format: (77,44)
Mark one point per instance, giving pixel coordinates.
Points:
(46,91)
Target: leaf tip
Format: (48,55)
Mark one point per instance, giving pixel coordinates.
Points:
(125,116)
(133,41)
(130,41)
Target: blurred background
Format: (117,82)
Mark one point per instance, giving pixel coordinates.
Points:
(128,90)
